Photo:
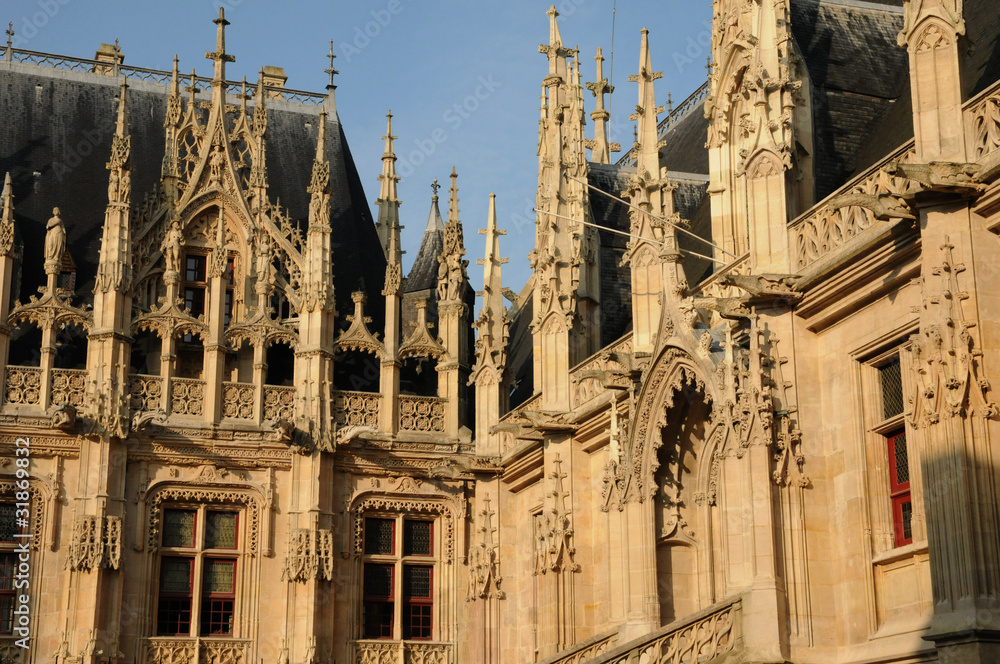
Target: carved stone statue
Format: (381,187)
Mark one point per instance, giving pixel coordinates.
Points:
(171,247)
(113,187)
(55,242)
(263,255)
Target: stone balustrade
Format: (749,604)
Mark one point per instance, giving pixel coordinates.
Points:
(145,392)
(23,385)
(586,651)
(982,121)
(180,650)
(423,414)
(407,652)
(356,408)
(187,396)
(826,228)
(238,400)
(701,637)
(69,386)
(279,403)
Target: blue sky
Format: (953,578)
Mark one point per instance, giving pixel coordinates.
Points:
(462,79)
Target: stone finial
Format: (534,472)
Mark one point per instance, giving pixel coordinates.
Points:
(7,218)
(388,199)
(600,148)
(452,276)
(646,111)
(219,55)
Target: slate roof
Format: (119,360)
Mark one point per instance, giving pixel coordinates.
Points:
(56,138)
(856,71)
(424,273)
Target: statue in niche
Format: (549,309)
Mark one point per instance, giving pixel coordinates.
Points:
(125,188)
(215,162)
(113,187)
(171,247)
(55,241)
(263,255)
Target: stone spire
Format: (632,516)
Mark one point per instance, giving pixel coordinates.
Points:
(258,170)
(600,148)
(554,49)
(452,275)
(319,281)
(114,263)
(331,71)
(492,322)
(7,220)
(389,228)
(453,318)
(491,345)
(564,260)
(647,110)
(388,200)
(654,243)
(219,55)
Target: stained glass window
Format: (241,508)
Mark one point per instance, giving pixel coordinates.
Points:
(219,576)
(175,575)
(178,528)
(220,530)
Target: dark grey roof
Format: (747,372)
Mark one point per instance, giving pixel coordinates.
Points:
(981,53)
(424,273)
(616,279)
(856,71)
(56,138)
(685,149)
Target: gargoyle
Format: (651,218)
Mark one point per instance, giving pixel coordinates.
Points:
(63,416)
(143,420)
(452,468)
(548,421)
(941,176)
(763,288)
(730,308)
(348,434)
(885,208)
(283,430)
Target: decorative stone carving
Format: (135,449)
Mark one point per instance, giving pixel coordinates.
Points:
(310,555)
(23,385)
(555,551)
(947,364)
(484,560)
(221,494)
(356,408)
(421,414)
(96,542)
(430,504)
(983,121)
(55,243)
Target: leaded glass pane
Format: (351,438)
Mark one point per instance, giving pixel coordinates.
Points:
(378,536)
(220,530)
(907,510)
(8,567)
(416,538)
(175,575)
(178,528)
(378,580)
(892,389)
(219,576)
(902,458)
(416,581)
(8,522)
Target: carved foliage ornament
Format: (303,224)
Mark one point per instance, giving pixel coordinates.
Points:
(310,555)
(96,543)
(484,559)
(946,361)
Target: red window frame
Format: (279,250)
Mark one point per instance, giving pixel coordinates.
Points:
(418,621)
(166,598)
(378,616)
(8,567)
(236,533)
(215,606)
(899,493)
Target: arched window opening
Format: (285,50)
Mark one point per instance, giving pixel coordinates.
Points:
(25,345)
(146,350)
(190,357)
(239,363)
(418,376)
(680,519)
(356,371)
(71,348)
(280,365)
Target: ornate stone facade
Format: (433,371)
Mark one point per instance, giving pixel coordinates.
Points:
(742,413)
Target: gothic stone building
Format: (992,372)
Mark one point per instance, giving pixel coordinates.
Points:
(743,410)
